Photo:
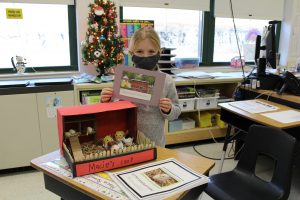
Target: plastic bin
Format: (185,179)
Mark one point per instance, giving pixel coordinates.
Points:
(205,119)
(187,104)
(184,63)
(175,125)
(220,123)
(206,103)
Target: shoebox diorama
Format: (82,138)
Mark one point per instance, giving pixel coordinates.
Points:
(101,137)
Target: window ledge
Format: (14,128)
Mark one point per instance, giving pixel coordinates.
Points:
(37,75)
(247,68)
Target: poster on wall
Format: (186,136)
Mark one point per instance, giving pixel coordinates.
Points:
(127,29)
(52,103)
(138,85)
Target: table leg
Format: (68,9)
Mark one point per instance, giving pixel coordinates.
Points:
(226,141)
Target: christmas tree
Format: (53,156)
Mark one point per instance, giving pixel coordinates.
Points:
(102,46)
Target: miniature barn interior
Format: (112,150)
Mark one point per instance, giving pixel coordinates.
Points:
(90,134)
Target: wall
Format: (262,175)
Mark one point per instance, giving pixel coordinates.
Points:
(289,46)
(82,11)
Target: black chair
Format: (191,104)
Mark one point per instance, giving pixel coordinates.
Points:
(242,183)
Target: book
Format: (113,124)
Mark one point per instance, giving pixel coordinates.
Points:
(90,97)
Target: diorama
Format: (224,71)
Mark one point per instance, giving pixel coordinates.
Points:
(101,137)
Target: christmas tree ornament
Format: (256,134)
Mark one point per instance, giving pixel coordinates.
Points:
(104,21)
(99,11)
(97,54)
(95,26)
(91,39)
(120,56)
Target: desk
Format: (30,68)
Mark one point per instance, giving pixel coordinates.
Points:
(284,99)
(70,190)
(242,120)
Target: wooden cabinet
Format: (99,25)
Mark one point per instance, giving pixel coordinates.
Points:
(20,136)
(28,127)
(48,120)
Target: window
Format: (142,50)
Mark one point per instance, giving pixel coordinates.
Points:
(225,45)
(45,36)
(180,29)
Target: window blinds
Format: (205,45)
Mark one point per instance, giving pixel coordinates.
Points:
(174,4)
(254,9)
(68,2)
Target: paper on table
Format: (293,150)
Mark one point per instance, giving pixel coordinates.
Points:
(157,180)
(194,74)
(253,106)
(287,116)
(99,182)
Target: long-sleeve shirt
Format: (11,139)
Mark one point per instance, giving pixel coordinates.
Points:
(151,120)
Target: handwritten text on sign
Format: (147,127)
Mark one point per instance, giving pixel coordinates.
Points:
(14,13)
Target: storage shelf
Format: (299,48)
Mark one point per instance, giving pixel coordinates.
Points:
(225,85)
(166,62)
(168,55)
(200,110)
(195,134)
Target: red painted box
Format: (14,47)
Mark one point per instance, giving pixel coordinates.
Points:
(83,127)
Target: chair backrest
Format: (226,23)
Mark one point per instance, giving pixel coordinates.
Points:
(276,144)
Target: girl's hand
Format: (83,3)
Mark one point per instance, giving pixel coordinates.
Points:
(165,104)
(106,94)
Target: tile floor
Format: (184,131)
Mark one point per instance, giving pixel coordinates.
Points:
(29,185)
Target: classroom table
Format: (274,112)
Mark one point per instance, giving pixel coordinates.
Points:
(242,120)
(68,189)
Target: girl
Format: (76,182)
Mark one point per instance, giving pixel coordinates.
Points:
(145,50)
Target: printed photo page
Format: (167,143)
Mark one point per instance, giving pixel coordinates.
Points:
(138,85)
(158,180)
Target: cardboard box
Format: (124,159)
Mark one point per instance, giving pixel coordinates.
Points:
(187,104)
(81,126)
(187,123)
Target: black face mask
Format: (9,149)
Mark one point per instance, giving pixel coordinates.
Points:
(148,63)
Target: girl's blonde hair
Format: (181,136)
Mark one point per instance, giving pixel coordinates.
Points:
(142,34)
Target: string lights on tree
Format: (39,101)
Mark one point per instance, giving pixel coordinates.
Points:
(103,46)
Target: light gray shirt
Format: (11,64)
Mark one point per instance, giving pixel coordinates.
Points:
(151,120)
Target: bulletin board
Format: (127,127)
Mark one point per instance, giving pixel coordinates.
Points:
(127,28)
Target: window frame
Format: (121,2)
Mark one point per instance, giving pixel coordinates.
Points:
(72,47)
(209,36)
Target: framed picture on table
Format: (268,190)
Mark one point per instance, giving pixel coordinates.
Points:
(138,85)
